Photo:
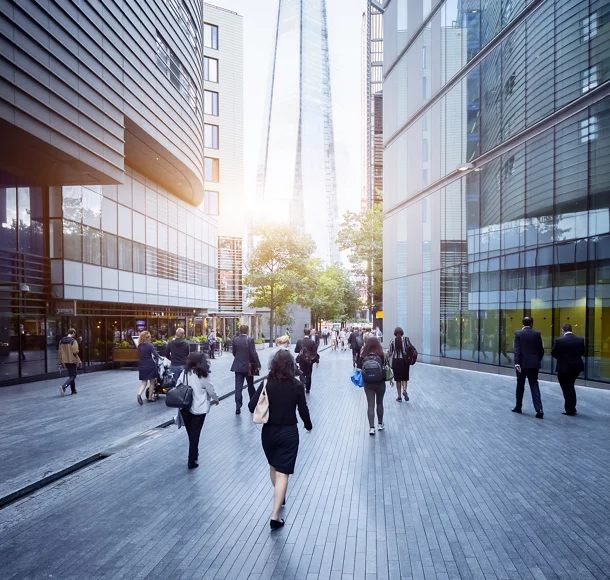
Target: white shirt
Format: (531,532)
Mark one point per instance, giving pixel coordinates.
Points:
(203,393)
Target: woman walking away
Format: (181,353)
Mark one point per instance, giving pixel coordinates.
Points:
(400,364)
(283,343)
(371,363)
(147,366)
(195,374)
(280,436)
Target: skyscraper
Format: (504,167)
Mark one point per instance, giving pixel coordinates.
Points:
(297,178)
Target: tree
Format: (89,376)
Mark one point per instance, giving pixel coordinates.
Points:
(362,235)
(277,270)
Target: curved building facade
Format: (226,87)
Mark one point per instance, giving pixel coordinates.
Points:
(101,178)
(497,188)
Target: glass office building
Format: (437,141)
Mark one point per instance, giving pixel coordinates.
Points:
(497,177)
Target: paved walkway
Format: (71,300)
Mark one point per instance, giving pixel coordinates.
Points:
(457,486)
(42,433)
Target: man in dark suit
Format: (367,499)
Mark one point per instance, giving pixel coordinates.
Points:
(245,353)
(529,352)
(569,350)
(307,352)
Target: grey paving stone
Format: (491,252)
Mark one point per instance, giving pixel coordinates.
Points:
(455,487)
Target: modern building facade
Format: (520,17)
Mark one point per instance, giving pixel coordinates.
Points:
(101,177)
(297,175)
(372,104)
(496,180)
(224,153)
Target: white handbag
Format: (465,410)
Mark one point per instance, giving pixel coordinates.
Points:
(261,412)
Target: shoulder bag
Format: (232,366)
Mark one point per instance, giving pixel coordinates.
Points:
(253,368)
(387,369)
(181,396)
(261,412)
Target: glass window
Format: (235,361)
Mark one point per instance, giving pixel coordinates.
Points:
(8,217)
(109,216)
(211,202)
(589,79)
(151,232)
(172,239)
(92,247)
(162,236)
(73,203)
(210,103)
(139,258)
(212,169)
(210,136)
(125,255)
(588,129)
(210,36)
(72,241)
(151,203)
(162,267)
(92,208)
(55,237)
(125,222)
(210,69)
(589,27)
(139,228)
(109,251)
(151,261)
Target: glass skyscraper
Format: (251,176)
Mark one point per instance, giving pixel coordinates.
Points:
(297,171)
(497,177)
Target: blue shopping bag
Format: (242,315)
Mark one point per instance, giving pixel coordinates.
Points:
(357,378)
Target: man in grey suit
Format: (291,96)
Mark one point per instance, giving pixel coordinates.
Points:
(569,350)
(529,352)
(245,353)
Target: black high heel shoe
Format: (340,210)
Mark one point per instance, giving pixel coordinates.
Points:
(276,524)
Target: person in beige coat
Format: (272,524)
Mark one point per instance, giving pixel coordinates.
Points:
(68,359)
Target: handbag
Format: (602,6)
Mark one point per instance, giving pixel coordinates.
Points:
(253,368)
(181,396)
(389,373)
(261,412)
(357,378)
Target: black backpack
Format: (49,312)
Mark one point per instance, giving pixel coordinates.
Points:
(359,340)
(372,370)
(305,354)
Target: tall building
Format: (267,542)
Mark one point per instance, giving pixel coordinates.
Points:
(372,104)
(496,180)
(101,178)
(297,178)
(224,154)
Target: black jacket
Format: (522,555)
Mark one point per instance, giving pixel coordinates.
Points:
(569,350)
(310,345)
(284,399)
(529,349)
(244,352)
(177,351)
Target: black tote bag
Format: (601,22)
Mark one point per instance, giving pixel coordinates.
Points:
(181,396)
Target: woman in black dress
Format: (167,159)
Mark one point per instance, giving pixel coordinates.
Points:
(280,436)
(400,364)
(147,365)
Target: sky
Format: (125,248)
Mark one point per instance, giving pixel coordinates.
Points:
(345,37)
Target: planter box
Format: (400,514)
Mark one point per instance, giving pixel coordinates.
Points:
(125,355)
(261,346)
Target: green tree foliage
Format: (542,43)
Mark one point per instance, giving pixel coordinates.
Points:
(333,294)
(278,270)
(362,235)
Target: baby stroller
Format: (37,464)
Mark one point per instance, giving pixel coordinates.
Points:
(165,378)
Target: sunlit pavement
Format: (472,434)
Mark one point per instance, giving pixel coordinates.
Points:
(456,486)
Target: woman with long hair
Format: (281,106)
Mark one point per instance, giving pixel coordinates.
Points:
(147,366)
(400,365)
(196,375)
(371,362)
(280,435)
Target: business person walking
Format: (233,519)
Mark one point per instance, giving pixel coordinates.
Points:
(245,353)
(529,351)
(569,350)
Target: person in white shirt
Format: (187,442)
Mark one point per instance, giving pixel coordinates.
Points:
(343,339)
(196,375)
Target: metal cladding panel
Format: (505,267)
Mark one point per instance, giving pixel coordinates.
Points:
(73,73)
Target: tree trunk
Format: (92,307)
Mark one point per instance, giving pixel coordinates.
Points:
(271,317)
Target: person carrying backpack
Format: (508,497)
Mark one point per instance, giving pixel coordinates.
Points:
(402,354)
(307,352)
(371,363)
(356,343)
(212,343)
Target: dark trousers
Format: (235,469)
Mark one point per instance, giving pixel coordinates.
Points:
(532,378)
(239,386)
(567,380)
(193,424)
(355,352)
(212,349)
(374,397)
(325,340)
(306,371)
(71,382)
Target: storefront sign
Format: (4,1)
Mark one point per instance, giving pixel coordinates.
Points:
(65,308)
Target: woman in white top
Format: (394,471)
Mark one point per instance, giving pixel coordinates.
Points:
(343,339)
(283,342)
(196,375)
